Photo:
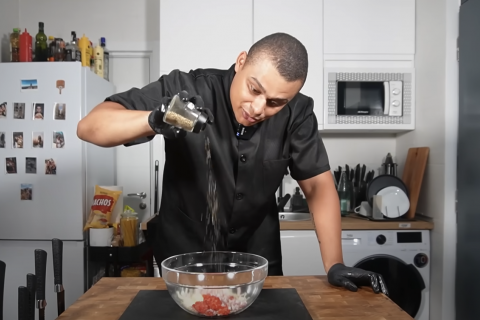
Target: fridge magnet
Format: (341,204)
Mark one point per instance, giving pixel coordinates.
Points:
(18,140)
(26,191)
(38,111)
(50,166)
(2,140)
(31,165)
(3,110)
(11,165)
(29,85)
(37,140)
(58,140)
(60,85)
(18,110)
(59,111)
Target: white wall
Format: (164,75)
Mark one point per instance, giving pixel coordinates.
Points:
(9,19)
(436,127)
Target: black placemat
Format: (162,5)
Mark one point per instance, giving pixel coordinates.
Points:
(271,304)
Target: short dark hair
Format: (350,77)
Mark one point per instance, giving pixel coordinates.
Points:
(287,54)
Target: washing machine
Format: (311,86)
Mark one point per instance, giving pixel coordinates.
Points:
(401,257)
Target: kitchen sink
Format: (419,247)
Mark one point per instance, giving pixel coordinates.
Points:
(294,216)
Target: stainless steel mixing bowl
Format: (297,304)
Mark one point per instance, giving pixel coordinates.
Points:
(214,284)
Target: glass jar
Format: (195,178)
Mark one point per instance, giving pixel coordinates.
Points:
(129,228)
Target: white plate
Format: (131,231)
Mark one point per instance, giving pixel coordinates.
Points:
(395,202)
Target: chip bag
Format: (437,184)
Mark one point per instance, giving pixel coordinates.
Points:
(104,201)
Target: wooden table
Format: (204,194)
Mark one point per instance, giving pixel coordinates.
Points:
(108,299)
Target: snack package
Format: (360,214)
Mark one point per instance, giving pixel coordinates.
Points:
(104,201)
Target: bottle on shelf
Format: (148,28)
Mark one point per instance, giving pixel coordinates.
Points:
(15,45)
(345,192)
(106,59)
(98,56)
(51,48)
(41,48)
(84,46)
(73,52)
(59,49)
(92,58)
(25,49)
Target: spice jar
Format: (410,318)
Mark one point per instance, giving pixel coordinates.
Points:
(129,228)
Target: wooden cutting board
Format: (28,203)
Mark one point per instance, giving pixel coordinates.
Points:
(413,173)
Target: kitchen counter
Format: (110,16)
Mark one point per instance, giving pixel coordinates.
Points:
(355,222)
(108,299)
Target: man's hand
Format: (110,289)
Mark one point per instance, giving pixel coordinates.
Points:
(342,276)
(155,119)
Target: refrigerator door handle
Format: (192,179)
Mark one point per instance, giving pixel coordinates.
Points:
(142,195)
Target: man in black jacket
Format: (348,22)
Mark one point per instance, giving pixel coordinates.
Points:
(262,126)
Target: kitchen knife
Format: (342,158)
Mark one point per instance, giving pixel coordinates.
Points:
(57,250)
(362,174)
(31,287)
(357,176)
(23,303)
(347,171)
(40,273)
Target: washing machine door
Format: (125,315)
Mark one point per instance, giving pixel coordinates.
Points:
(404,282)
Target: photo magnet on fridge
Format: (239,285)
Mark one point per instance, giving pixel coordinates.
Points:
(60,85)
(18,140)
(3,110)
(37,139)
(18,110)
(2,140)
(50,166)
(38,111)
(11,165)
(58,140)
(59,111)
(26,191)
(31,165)
(29,85)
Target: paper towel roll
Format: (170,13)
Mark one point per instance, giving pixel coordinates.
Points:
(117,211)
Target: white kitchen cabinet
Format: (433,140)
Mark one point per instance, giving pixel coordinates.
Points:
(303,20)
(369,26)
(301,253)
(203,34)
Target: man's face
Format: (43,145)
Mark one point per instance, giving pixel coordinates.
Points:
(258,91)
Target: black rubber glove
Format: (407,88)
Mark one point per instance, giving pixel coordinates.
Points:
(155,119)
(342,276)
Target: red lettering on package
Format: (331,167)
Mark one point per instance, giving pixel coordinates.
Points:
(102,203)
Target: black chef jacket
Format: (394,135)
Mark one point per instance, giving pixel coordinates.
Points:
(248,172)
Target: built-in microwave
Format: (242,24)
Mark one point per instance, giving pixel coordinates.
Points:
(369,99)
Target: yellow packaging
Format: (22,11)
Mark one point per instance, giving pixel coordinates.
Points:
(104,201)
(86,50)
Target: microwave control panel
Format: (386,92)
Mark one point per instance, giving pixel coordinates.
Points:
(396,100)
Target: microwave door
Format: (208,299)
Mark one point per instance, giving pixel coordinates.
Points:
(360,98)
(386,106)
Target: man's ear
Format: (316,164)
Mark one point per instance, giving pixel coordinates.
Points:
(241,59)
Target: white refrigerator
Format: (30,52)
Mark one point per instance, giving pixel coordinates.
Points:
(47,174)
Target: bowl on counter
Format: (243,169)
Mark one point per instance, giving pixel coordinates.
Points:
(214,284)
